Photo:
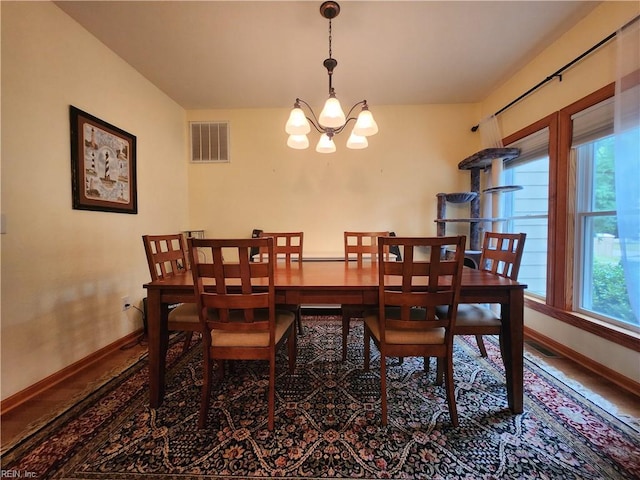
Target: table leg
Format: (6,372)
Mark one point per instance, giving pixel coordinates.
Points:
(158,339)
(513,326)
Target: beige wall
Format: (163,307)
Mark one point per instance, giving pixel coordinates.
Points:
(64,271)
(595,71)
(390,186)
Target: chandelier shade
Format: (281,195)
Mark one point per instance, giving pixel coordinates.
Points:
(332,115)
(325,144)
(297,123)
(365,124)
(298,142)
(332,119)
(357,142)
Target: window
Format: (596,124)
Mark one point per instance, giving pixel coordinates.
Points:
(578,276)
(600,287)
(527,210)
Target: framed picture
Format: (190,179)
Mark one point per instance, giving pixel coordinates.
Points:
(103,165)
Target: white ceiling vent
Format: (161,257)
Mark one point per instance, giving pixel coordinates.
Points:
(209,142)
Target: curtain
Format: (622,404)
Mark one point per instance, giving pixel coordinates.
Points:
(627,156)
(490,134)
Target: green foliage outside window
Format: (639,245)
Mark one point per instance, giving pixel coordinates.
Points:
(604,185)
(610,292)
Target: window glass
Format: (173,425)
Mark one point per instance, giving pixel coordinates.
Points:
(527,209)
(600,286)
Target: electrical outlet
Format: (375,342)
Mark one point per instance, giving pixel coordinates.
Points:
(126,304)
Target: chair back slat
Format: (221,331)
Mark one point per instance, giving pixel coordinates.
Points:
(287,245)
(363,246)
(233,291)
(420,268)
(502,253)
(165,255)
(412,288)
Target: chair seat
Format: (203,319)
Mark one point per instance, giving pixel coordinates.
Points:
(473,314)
(221,338)
(433,336)
(185,312)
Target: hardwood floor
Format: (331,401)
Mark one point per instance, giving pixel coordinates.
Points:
(17,421)
(626,402)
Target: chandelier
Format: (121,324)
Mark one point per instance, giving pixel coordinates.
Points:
(332,119)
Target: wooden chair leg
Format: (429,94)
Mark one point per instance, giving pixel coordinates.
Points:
(187,341)
(427,364)
(205,393)
(451,396)
(439,371)
(221,369)
(367,348)
(292,345)
(383,388)
(299,320)
(480,342)
(272,392)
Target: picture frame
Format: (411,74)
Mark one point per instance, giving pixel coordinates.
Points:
(103,165)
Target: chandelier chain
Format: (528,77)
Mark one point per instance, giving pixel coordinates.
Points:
(330,38)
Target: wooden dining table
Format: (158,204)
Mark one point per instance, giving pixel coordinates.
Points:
(335,283)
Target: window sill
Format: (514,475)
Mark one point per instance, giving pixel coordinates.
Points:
(620,336)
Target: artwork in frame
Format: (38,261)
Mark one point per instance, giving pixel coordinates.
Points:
(103,165)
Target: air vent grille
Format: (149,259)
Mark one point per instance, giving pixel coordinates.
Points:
(209,142)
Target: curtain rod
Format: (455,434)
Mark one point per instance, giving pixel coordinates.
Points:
(559,72)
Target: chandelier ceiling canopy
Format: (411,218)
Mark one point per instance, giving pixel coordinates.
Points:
(332,119)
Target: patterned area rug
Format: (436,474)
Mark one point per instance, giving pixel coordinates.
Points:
(328,423)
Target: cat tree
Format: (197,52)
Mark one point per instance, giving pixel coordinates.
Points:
(481,160)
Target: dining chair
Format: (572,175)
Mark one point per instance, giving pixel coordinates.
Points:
(501,255)
(405,323)
(360,247)
(287,247)
(166,256)
(236,306)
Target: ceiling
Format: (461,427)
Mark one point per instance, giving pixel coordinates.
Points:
(264,54)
